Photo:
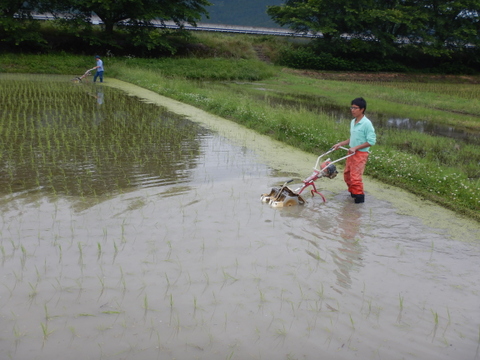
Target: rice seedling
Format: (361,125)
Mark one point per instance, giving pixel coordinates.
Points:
(435,327)
(80,256)
(2,249)
(262,297)
(24,256)
(47,315)
(435,317)
(400,311)
(10,290)
(73,331)
(369,302)
(176,325)
(124,240)
(281,332)
(230,356)
(448,323)
(18,277)
(99,251)
(46,332)
(207,280)
(102,283)
(227,277)
(33,293)
(115,252)
(17,334)
(145,304)
(195,306)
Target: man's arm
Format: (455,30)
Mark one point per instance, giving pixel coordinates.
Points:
(358,147)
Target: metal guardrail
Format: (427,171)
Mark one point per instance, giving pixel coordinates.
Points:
(241,30)
(95,20)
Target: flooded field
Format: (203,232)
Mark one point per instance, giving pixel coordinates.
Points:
(139,234)
(318,103)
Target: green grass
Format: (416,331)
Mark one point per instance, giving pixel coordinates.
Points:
(415,101)
(198,69)
(438,169)
(192,68)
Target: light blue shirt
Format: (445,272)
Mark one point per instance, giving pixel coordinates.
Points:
(100,63)
(362,132)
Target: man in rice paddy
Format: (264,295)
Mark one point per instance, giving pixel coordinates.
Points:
(362,136)
(99,67)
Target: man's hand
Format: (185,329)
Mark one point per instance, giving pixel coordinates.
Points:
(340,144)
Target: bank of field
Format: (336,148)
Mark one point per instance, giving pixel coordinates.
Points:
(297,109)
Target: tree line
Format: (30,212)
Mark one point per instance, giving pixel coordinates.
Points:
(373,30)
(371,35)
(125,23)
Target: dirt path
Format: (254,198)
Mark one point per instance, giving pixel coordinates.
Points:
(387,77)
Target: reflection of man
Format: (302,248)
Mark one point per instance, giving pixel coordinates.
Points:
(348,256)
(99,97)
(98,115)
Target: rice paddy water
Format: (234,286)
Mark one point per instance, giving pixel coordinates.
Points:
(129,231)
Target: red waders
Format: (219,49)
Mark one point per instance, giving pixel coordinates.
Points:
(353,172)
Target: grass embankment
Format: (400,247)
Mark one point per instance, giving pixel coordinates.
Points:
(439,169)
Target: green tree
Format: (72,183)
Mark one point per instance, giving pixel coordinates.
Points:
(385,24)
(130,26)
(327,18)
(16,23)
(453,23)
(136,12)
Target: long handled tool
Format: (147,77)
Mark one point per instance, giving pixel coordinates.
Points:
(80,78)
(325,169)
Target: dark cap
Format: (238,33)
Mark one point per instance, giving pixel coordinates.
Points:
(97,57)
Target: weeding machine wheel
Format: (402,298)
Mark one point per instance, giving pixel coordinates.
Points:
(290,202)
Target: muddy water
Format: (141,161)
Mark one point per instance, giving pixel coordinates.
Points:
(200,269)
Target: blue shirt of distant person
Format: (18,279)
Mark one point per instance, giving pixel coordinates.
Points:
(99,67)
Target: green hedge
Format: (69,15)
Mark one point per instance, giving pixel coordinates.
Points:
(318,58)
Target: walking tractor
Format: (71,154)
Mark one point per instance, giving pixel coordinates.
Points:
(283,196)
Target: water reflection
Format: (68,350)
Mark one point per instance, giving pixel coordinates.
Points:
(348,256)
(99,95)
(427,127)
(326,237)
